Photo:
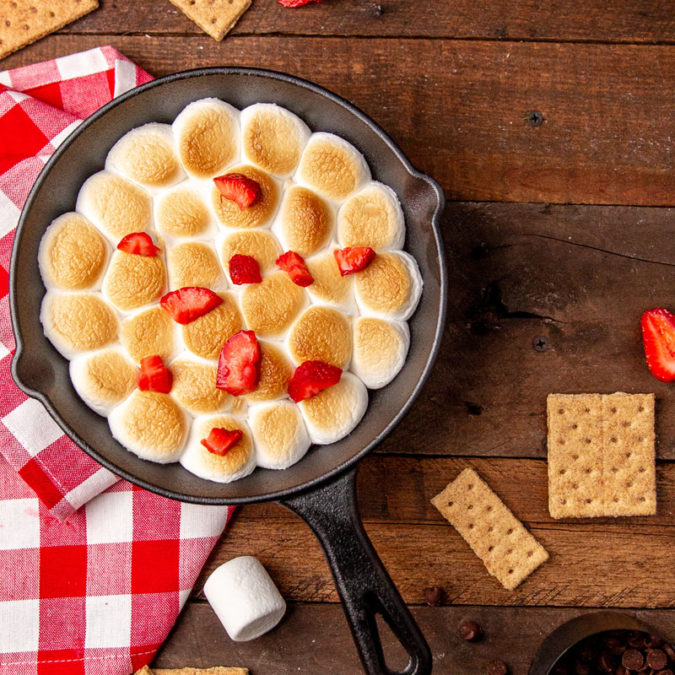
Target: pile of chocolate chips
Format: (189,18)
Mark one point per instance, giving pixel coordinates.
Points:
(622,652)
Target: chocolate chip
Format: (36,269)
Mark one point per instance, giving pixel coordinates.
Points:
(657,659)
(470,631)
(497,667)
(433,596)
(632,659)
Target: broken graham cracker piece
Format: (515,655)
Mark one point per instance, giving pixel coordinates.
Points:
(145,670)
(496,536)
(215,17)
(214,670)
(25,21)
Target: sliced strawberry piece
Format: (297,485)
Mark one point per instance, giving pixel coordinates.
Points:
(353,259)
(658,336)
(244,269)
(311,377)
(294,264)
(240,189)
(189,303)
(295,3)
(138,243)
(154,375)
(220,440)
(239,364)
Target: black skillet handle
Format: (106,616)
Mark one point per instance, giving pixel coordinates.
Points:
(364,585)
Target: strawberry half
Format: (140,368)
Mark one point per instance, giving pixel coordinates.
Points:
(353,259)
(311,377)
(189,303)
(658,337)
(240,189)
(138,243)
(239,364)
(295,3)
(244,269)
(220,440)
(294,264)
(154,376)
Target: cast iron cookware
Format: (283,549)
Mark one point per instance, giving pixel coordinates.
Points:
(321,487)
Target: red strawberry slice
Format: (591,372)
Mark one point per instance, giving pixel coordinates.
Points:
(239,364)
(244,269)
(353,259)
(311,377)
(138,243)
(295,266)
(295,3)
(220,440)
(658,336)
(154,376)
(189,303)
(240,189)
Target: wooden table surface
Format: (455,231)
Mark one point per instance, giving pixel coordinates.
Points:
(558,235)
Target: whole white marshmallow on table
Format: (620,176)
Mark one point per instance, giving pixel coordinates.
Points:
(244,598)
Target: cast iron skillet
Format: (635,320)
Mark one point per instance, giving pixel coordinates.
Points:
(321,487)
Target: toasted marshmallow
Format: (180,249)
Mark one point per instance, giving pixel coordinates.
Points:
(207,136)
(181,212)
(194,263)
(145,154)
(329,286)
(151,425)
(380,350)
(273,138)
(194,386)
(149,332)
(134,280)
(206,335)
(334,412)
(103,379)
(72,254)
(332,166)
(372,217)
(259,213)
(321,334)
(305,222)
(259,244)
(238,462)
(281,438)
(390,287)
(115,205)
(271,306)
(77,322)
(275,371)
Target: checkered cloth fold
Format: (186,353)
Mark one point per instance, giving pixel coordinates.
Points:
(95,589)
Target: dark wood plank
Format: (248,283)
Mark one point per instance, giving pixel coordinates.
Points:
(315,639)
(459,108)
(602,20)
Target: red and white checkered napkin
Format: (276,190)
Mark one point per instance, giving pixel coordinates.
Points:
(95,589)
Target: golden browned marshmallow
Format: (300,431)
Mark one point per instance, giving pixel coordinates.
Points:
(151,425)
(146,155)
(207,136)
(329,286)
(271,306)
(115,205)
(149,332)
(321,334)
(238,462)
(181,212)
(78,322)
(194,263)
(380,350)
(259,244)
(206,335)
(305,222)
(134,280)
(194,386)
(103,379)
(256,215)
(372,217)
(332,166)
(273,137)
(275,371)
(389,287)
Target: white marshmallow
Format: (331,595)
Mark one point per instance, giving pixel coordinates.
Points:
(380,350)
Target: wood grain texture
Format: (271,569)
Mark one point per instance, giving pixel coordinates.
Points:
(459,108)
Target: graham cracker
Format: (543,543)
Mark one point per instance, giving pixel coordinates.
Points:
(25,21)
(145,670)
(496,536)
(215,17)
(215,670)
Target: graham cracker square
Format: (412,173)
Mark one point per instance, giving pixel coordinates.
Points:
(215,17)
